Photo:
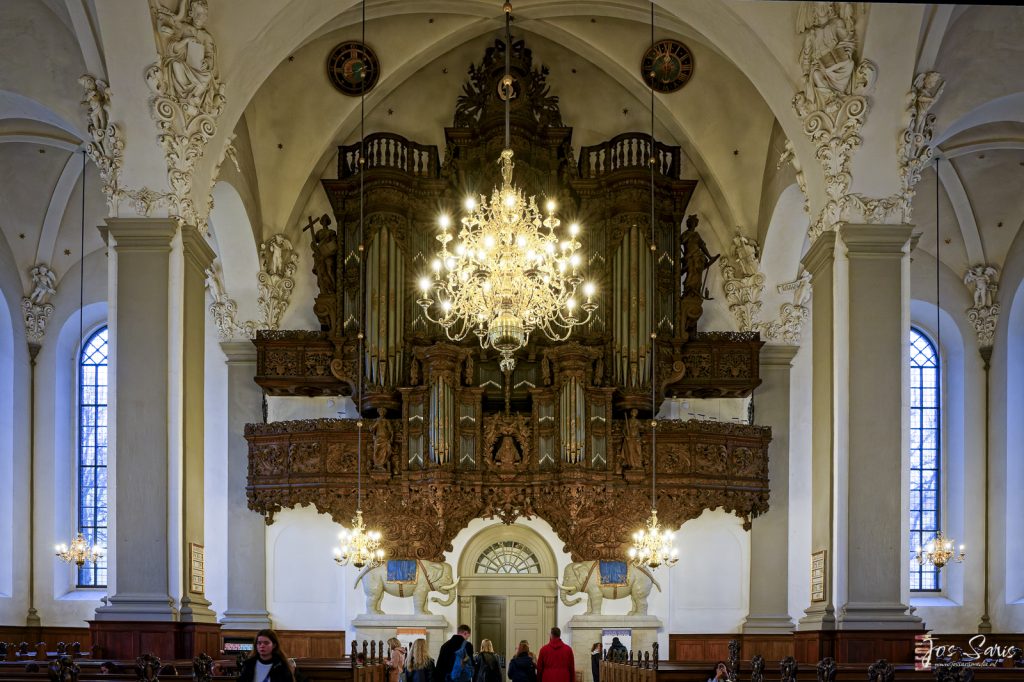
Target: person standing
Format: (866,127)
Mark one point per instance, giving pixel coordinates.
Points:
(488,667)
(522,668)
(266,663)
(595,661)
(446,657)
(396,661)
(421,665)
(555,662)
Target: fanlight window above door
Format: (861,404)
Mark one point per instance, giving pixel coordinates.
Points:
(508,557)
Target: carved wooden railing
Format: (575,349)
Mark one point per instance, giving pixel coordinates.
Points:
(629,151)
(390,151)
(712,365)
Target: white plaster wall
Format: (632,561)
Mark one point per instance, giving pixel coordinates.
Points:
(6,454)
(306,590)
(215,476)
(800,479)
(709,587)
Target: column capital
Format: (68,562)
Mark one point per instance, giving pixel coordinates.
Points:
(875,240)
(821,254)
(778,355)
(239,352)
(197,250)
(140,234)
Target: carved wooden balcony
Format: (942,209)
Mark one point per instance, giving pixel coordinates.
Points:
(388,151)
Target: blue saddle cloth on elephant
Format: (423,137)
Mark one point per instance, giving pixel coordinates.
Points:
(401,571)
(613,572)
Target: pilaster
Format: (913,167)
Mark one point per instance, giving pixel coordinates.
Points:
(198,256)
(247,560)
(138,451)
(769,536)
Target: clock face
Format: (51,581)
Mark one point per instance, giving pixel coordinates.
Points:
(353,68)
(667,65)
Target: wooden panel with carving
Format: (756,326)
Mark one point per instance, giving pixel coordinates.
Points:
(701,465)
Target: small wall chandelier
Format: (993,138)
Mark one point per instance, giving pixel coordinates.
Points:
(508,273)
(652,546)
(79,552)
(359,546)
(939,552)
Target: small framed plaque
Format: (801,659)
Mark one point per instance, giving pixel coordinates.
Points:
(819,571)
(196,568)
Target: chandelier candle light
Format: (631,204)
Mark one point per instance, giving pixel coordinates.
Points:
(653,546)
(79,552)
(359,546)
(939,552)
(508,272)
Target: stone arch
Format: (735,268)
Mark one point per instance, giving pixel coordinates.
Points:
(499,532)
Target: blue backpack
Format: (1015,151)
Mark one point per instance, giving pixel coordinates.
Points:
(462,669)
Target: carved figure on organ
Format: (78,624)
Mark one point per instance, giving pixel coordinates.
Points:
(631,456)
(325,253)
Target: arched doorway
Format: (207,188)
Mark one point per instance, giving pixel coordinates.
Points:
(508,588)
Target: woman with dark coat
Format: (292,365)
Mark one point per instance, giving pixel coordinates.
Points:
(522,667)
(266,663)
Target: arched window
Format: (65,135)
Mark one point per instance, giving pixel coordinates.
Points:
(92,453)
(509,557)
(925,457)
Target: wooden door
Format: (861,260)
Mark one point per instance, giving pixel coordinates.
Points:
(490,623)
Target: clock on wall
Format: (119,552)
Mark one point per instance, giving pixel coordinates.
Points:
(353,68)
(667,65)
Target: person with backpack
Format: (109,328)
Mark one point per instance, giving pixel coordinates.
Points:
(522,668)
(488,667)
(555,662)
(455,660)
(420,666)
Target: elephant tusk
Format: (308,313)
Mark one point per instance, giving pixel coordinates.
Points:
(446,588)
(566,588)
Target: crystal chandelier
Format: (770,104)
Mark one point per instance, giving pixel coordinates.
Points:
(79,552)
(508,272)
(359,546)
(652,546)
(939,552)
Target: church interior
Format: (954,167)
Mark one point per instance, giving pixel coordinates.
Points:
(691,322)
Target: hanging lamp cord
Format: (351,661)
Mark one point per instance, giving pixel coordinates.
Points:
(654,333)
(81,268)
(938,264)
(507,80)
(362,277)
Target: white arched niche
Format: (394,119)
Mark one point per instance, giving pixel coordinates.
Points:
(237,251)
(962,510)
(784,244)
(1014,517)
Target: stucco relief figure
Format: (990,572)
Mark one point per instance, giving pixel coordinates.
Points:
(43,283)
(583,577)
(747,254)
(827,54)
(325,253)
(431,576)
(696,259)
(190,58)
(272,254)
(981,280)
(631,455)
(383,437)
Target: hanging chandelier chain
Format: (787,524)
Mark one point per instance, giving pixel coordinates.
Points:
(654,333)
(507,80)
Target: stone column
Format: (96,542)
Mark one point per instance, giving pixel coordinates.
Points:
(139,485)
(247,560)
(820,262)
(198,256)
(769,537)
(871,561)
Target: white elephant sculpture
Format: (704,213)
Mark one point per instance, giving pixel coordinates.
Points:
(585,577)
(430,576)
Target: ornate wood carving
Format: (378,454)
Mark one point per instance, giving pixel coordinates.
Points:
(701,465)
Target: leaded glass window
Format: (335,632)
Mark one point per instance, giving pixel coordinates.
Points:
(92,454)
(925,457)
(509,557)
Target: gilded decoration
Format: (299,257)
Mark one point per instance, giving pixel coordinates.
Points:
(564,435)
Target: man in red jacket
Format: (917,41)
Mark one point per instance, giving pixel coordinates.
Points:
(555,662)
